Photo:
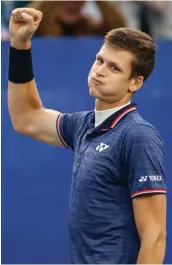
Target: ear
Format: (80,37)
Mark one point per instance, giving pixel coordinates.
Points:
(136,84)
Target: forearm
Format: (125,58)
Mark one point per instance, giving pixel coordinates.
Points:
(152,251)
(22,98)
(112,14)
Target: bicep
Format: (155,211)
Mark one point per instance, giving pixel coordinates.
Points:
(41,125)
(150,213)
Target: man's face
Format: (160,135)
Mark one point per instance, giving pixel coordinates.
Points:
(109,79)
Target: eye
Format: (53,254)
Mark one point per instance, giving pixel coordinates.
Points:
(114,68)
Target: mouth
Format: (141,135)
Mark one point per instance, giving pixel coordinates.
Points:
(96,81)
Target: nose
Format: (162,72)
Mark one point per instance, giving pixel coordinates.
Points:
(101,71)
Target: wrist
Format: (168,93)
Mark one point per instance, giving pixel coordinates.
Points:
(19,44)
(20,69)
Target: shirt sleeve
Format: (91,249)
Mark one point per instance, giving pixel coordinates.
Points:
(144,161)
(67,125)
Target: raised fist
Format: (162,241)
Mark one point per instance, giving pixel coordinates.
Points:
(23,23)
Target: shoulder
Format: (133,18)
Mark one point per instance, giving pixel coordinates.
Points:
(81,116)
(140,126)
(77,119)
(140,130)
(142,143)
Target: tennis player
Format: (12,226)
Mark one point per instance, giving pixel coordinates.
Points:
(117,209)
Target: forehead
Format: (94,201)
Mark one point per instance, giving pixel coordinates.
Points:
(116,55)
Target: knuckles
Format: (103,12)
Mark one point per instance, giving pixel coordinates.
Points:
(30,11)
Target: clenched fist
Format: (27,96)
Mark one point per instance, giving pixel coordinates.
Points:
(23,24)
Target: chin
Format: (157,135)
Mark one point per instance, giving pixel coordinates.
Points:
(95,94)
(91,93)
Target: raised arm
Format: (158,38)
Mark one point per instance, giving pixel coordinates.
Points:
(27,113)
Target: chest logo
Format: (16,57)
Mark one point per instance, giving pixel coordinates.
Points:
(101,147)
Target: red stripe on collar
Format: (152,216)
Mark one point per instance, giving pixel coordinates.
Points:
(122,115)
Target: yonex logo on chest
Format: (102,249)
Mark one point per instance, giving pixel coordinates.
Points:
(101,147)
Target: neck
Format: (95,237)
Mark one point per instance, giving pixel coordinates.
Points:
(102,105)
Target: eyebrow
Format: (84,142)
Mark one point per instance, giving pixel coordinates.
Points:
(110,62)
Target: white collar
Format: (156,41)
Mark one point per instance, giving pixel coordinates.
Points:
(102,115)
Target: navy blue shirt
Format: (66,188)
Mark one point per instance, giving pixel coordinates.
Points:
(113,163)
